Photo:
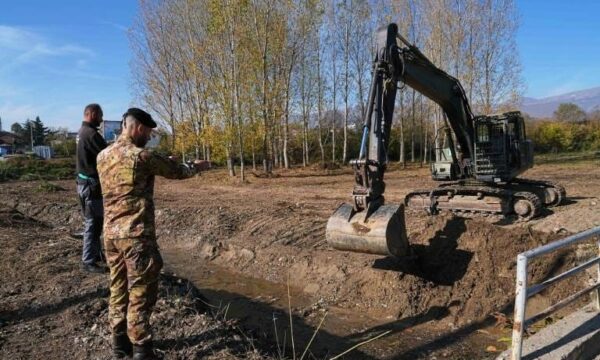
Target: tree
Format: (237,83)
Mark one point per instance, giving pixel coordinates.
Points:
(264,78)
(16,128)
(40,132)
(19,130)
(154,61)
(61,143)
(569,112)
(500,79)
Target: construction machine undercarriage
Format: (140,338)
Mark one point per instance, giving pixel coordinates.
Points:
(522,198)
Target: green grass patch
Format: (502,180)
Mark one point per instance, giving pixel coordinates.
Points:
(566,157)
(45,187)
(32,169)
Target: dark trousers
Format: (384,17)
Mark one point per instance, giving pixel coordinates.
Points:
(92,210)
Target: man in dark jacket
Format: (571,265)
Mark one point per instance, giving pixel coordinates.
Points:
(89,144)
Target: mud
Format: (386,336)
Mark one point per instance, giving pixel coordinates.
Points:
(51,310)
(244,245)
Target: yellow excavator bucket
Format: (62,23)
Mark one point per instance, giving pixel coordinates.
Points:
(382,232)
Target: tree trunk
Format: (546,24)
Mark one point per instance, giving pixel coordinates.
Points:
(253,157)
(286,128)
(412,130)
(229,161)
(346,87)
(423,134)
(286,131)
(402,155)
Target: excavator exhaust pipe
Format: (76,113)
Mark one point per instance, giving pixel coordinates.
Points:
(382,232)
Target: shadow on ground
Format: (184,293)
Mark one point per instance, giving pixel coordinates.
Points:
(439,262)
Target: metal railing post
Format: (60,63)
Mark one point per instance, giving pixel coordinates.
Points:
(598,290)
(522,292)
(520,306)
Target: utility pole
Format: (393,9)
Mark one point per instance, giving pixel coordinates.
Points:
(31,133)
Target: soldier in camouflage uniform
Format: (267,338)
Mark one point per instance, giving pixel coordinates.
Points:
(127,173)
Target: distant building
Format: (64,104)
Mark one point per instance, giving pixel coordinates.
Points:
(110,130)
(7,142)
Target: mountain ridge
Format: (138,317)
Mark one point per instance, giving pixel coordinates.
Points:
(587,99)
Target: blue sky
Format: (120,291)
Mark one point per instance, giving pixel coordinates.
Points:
(559,45)
(58,56)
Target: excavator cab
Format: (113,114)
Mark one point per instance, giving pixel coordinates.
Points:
(502,152)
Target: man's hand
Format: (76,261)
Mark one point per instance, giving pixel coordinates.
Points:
(201,165)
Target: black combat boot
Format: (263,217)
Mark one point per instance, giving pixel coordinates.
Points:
(144,352)
(122,347)
(93,268)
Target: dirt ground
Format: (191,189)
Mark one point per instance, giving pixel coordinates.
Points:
(257,250)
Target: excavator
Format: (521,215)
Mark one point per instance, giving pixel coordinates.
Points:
(478,166)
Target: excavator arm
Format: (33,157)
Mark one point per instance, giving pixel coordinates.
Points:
(394,63)
(371,163)
(368,225)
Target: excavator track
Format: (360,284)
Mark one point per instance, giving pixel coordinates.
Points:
(476,200)
(551,193)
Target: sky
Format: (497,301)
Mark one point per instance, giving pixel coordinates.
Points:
(58,56)
(559,45)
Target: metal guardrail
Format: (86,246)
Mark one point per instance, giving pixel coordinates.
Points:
(523,292)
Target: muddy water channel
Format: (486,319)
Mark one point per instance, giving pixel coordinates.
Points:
(263,308)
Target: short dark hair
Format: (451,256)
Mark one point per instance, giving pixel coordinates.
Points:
(92,108)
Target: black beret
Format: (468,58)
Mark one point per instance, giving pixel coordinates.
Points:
(141,116)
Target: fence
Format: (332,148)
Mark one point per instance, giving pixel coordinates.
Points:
(523,292)
(43,151)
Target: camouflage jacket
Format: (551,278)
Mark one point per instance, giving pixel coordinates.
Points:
(127,177)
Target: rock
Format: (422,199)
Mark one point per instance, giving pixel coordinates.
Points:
(247,254)
(208,250)
(558,230)
(491,348)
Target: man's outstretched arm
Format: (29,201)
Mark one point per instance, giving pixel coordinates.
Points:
(165,167)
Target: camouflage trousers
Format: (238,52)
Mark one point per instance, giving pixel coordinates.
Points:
(134,268)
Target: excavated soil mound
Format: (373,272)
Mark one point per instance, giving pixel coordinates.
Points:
(461,269)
